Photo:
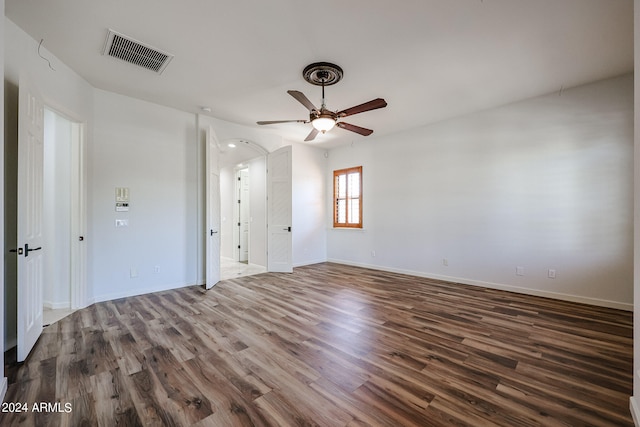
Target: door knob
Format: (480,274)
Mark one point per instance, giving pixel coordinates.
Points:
(27,250)
(18,251)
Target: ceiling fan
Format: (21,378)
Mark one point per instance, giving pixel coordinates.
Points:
(326,74)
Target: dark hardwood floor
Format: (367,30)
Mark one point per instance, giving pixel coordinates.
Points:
(330,345)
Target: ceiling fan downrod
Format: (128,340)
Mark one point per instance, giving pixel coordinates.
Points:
(322,80)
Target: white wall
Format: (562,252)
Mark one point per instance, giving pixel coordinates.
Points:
(309,205)
(542,184)
(57,211)
(151,150)
(62,89)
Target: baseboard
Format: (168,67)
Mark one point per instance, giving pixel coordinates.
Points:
(136,292)
(634,407)
(499,286)
(302,264)
(56,305)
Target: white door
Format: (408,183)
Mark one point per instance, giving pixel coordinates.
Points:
(212,210)
(279,211)
(243,198)
(30,207)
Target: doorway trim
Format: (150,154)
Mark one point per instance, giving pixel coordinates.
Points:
(79,297)
(256,147)
(255,254)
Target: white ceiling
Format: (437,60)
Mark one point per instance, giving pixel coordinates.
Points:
(430,59)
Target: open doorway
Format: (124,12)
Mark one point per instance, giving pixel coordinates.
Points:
(61,228)
(243,201)
(64,159)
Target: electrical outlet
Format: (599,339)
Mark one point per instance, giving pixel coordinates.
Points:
(445,262)
(133,272)
(373,254)
(552,273)
(156,269)
(519,271)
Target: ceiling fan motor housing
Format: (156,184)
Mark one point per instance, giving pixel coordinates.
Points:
(324,114)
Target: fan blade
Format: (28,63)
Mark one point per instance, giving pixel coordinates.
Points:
(273,122)
(367,106)
(302,99)
(354,128)
(312,135)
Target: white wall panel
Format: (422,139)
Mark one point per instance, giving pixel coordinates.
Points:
(542,184)
(151,150)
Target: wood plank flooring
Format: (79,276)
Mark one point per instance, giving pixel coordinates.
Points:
(330,345)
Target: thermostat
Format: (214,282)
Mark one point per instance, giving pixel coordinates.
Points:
(122,199)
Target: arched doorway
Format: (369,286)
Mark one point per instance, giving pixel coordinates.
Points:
(243,198)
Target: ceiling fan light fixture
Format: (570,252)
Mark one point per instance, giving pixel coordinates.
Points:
(323,124)
(322,119)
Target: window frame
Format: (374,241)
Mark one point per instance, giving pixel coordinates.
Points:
(346,172)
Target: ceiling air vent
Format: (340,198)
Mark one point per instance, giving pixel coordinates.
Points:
(134,52)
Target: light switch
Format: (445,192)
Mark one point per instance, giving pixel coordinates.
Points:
(122,223)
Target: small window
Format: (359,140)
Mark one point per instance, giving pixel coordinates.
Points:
(347,197)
